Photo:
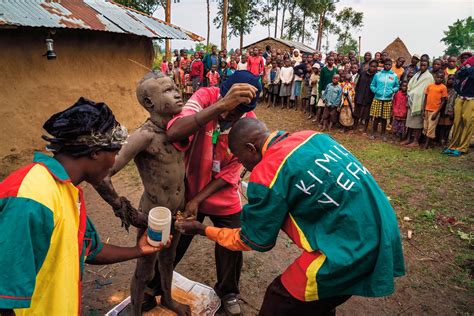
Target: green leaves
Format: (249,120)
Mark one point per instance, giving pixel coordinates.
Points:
(459,36)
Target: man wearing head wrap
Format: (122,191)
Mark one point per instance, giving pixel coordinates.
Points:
(46,235)
(212,172)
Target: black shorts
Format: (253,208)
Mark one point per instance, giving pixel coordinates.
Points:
(331,114)
(278,302)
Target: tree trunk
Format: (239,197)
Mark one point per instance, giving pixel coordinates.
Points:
(283,19)
(276,17)
(304,23)
(168,19)
(292,17)
(268,16)
(320,30)
(208,25)
(241,40)
(225,11)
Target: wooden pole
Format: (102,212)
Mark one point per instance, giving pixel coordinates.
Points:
(168,20)
(359,49)
(225,9)
(208,26)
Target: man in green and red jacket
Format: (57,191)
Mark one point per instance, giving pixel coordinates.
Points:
(328,203)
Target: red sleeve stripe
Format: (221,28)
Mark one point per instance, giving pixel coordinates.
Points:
(266,172)
(10,186)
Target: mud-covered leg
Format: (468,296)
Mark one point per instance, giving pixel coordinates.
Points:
(143,274)
(165,265)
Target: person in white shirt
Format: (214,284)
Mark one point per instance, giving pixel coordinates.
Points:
(242,65)
(286,79)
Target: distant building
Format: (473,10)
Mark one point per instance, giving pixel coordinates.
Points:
(281,44)
(100,47)
(398,49)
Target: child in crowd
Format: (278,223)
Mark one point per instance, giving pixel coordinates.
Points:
(306,89)
(188,84)
(170,71)
(384,86)
(326,74)
(242,65)
(342,75)
(286,78)
(164,66)
(266,80)
(213,77)
(347,104)
(314,83)
(446,113)
(355,73)
(436,67)
(451,68)
(364,96)
(274,80)
(178,76)
(436,95)
(400,109)
(332,99)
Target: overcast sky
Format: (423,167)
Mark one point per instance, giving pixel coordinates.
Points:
(419,23)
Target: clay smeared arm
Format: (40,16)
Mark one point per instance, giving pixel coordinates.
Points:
(136,143)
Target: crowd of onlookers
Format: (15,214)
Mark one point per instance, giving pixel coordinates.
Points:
(417,100)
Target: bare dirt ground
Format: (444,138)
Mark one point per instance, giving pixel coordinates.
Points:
(424,185)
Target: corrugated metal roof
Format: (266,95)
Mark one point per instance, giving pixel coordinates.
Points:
(98,15)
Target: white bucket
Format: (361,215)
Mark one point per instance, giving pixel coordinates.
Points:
(159,225)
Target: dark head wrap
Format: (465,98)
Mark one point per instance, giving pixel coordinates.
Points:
(83,128)
(243,76)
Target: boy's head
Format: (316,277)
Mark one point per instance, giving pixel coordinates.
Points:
(274,64)
(452,62)
(384,56)
(293,63)
(373,66)
(436,65)
(345,60)
(404,86)
(316,67)
(353,60)
(387,65)
(243,59)
(170,66)
(425,57)
(400,62)
(354,68)
(176,64)
(214,49)
(214,68)
(310,58)
(196,55)
(378,55)
(347,77)
(424,65)
(88,133)
(309,68)
(351,54)
(335,79)
(439,77)
(159,95)
(450,81)
(414,60)
(304,58)
(367,57)
(330,61)
(287,63)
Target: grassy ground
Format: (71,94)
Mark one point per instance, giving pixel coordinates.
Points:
(434,191)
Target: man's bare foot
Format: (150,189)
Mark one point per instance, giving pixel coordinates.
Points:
(413,145)
(405,142)
(178,308)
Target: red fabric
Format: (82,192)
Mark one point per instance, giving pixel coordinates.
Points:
(213,78)
(10,186)
(255,65)
(199,156)
(400,105)
(164,67)
(295,275)
(197,69)
(264,173)
(290,229)
(80,236)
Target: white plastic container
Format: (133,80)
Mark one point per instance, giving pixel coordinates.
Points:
(159,225)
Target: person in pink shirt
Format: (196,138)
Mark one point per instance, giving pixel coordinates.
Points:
(255,63)
(212,171)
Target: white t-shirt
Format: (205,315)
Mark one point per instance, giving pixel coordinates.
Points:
(286,74)
(241,66)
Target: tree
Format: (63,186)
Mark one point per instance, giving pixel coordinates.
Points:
(145,6)
(323,8)
(208,23)
(225,11)
(350,21)
(242,15)
(268,20)
(459,36)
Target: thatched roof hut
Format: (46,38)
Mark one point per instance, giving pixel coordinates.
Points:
(398,49)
